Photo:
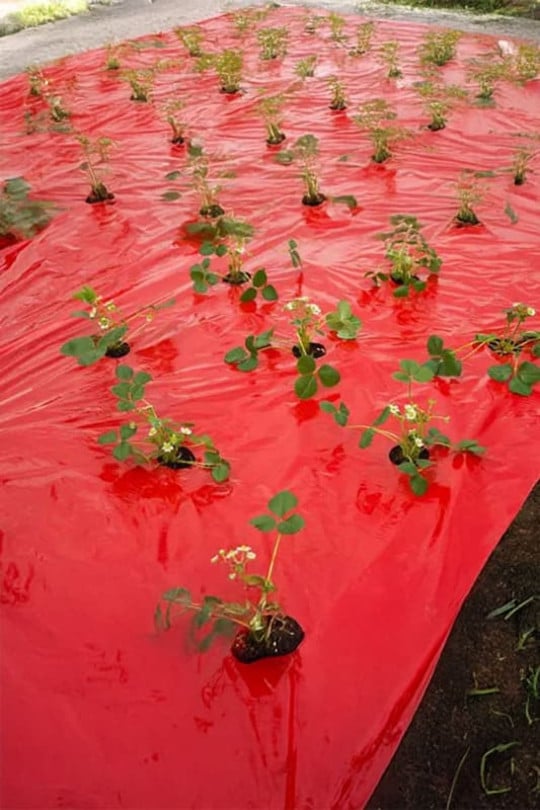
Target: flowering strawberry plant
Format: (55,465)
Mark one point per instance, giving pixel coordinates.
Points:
(264,629)
(110,327)
(148,437)
(510,342)
(413,435)
(308,322)
(408,254)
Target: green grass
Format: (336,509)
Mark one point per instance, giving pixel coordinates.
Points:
(40,13)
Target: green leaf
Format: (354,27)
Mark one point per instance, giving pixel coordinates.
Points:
(178,595)
(79,346)
(264,523)
(424,374)
(449,365)
(221,472)
(327,407)
(170,196)
(383,416)
(122,390)
(402,291)
(248,295)
(207,249)
(329,376)
(535,351)
(418,484)
(249,363)
(500,373)
(142,377)
(291,525)
(435,345)
(408,467)
(124,372)
(259,278)
(125,405)
(305,387)
(528,373)
(270,293)
(342,415)
(347,199)
(470,446)
(235,355)
(126,432)
(80,313)
(122,451)
(306,364)
(517,386)
(112,336)
(199,285)
(108,438)
(366,438)
(282,502)
(173,175)
(263,340)
(256,581)
(401,376)
(434,436)
(410,367)
(511,214)
(284,157)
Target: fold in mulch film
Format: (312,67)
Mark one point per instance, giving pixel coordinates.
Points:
(100,711)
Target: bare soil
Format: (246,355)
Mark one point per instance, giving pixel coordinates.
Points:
(452,725)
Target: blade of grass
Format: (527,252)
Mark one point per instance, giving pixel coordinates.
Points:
(497,749)
(455,779)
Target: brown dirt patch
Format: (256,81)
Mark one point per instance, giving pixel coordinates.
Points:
(485,653)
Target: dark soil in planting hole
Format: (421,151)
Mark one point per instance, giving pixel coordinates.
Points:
(276,141)
(99,195)
(449,722)
(397,456)
(436,127)
(337,107)
(184,458)
(398,281)
(503,348)
(313,201)
(284,637)
(178,141)
(314,350)
(237,278)
(211,211)
(472,221)
(120,350)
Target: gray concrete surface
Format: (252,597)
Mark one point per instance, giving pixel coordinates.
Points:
(124,19)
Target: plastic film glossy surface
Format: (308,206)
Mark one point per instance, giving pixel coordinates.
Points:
(98,710)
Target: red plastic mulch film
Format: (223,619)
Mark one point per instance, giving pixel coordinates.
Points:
(99,710)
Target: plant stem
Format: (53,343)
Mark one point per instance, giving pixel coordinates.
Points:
(386,433)
(273,558)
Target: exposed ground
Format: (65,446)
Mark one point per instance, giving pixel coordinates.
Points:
(499,658)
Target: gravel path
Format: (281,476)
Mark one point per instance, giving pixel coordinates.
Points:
(125,19)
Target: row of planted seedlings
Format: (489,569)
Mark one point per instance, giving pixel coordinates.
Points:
(376,118)
(265,630)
